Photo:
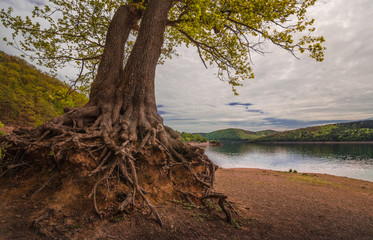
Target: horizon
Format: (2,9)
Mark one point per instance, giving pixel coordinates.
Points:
(286,93)
(250,130)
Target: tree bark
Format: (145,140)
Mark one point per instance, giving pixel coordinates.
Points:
(139,72)
(111,63)
(129,93)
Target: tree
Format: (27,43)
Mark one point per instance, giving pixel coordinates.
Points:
(120,127)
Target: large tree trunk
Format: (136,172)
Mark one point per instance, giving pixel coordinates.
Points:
(119,136)
(132,93)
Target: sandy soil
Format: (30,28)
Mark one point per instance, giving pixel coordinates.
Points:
(302,206)
(270,205)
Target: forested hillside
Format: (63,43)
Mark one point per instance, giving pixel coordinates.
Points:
(353,131)
(29,97)
(189,137)
(234,134)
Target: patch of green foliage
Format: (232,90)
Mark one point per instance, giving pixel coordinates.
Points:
(234,134)
(236,223)
(188,206)
(177,201)
(1,126)
(353,131)
(1,133)
(29,97)
(312,180)
(251,219)
(189,137)
(203,217)
(118,218)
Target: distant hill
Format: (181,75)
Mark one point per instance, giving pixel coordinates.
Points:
(265,133)
(29,97)
(235,134)
(352,131)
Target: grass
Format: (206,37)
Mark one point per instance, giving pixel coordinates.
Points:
(236,224)
(177,201)
(188,206)
(118,218)
(251,219)
(312,180)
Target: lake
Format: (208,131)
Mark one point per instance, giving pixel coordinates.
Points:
(349,160)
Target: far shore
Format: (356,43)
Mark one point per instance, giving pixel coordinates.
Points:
(207,144)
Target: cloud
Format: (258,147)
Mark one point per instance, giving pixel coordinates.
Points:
(161,112)
(239,104)
(293,123)
(180,119)
(37,2)
(255,111)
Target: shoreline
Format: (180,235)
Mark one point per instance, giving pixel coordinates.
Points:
(207,144)
(287,172)
(318,142)
(204,144)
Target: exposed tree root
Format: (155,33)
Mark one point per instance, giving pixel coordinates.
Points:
(155,167)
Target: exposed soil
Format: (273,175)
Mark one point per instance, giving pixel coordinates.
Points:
(270,205)
(301,206)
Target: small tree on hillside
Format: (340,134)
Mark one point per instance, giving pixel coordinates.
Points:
(119,130)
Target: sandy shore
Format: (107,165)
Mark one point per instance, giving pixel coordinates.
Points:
(302,206)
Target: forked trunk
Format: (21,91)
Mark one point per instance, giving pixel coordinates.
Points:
(129,93)
(111,65)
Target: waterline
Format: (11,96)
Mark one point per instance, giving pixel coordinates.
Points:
(349,160)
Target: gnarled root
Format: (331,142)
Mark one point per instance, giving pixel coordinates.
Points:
(155,166)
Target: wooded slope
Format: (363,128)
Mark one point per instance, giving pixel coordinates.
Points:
(352,131)
(29,97)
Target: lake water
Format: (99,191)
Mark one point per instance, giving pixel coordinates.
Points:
(349,160)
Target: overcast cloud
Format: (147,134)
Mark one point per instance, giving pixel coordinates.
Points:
(286,93)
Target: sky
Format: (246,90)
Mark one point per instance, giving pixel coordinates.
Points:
(286,93)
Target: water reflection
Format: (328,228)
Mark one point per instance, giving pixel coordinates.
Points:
(343,151)
(351,160)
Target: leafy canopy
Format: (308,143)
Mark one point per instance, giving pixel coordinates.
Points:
(224,32)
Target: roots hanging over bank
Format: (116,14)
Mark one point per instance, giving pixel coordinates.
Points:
(131,164)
